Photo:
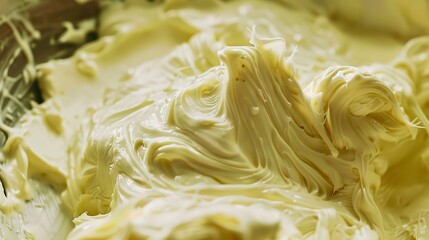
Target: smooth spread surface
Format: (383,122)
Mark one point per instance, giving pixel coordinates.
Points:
(228,120)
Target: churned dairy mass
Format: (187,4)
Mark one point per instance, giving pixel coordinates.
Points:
(229,120)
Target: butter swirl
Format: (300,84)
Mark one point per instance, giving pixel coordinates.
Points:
(230,120)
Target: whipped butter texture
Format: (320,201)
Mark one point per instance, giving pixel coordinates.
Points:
(228,120)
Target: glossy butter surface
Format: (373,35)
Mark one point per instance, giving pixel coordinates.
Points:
(231,120)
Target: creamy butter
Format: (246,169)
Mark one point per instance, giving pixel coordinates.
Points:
(230,120)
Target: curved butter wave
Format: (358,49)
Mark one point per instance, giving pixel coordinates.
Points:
(230,120)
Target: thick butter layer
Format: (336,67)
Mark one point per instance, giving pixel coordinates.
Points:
(226,120)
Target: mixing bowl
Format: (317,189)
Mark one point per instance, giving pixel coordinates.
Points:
(38,22)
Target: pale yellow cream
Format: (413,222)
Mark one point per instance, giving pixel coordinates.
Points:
(229,120)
